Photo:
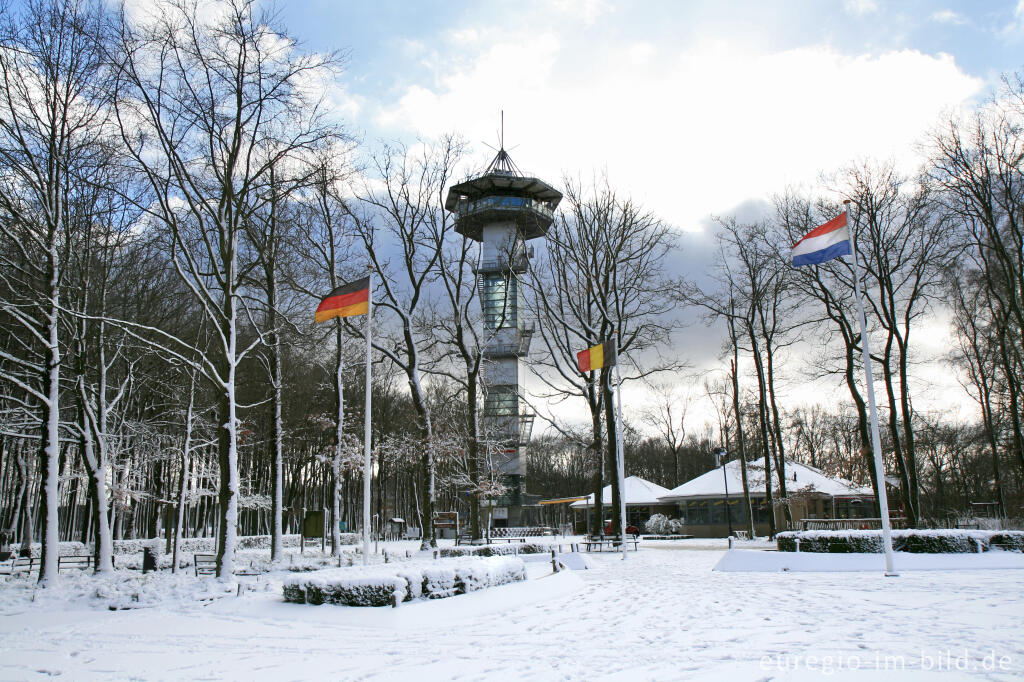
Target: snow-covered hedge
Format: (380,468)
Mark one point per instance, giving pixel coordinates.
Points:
(209,545)
(917,541)
(187,545)
(382,584)
(495,550)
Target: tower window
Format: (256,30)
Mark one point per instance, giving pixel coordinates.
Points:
(500,294)
(501,401)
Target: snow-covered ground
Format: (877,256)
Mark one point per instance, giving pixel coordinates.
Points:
(661,614)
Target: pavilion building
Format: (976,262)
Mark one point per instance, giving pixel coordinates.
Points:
(702,503)
(643,500)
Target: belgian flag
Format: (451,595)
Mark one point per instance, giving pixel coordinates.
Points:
(345,301)
(596,357)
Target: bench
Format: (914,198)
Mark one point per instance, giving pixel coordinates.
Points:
(22,564)
(851,524)
(610,543)
(79,561)
(206,564)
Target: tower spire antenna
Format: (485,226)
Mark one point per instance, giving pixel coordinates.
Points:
(502,163)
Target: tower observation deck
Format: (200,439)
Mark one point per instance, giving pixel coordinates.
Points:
(502,209)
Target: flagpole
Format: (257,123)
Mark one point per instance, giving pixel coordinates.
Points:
(367,463)
(620,466)
(883,498)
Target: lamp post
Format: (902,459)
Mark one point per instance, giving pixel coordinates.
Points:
(721,456)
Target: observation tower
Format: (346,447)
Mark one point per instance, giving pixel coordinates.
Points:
(502,209)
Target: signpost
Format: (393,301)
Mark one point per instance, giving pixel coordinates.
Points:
(447,520)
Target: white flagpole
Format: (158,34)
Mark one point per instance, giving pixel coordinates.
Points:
(367,463)
(883,498)
(620,464)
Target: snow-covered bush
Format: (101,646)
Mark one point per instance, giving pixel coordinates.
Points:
(676,526)
(187,546)
(916,541)
(1007,540)
(657,525)
(380,585)
(495,550)
(439,581)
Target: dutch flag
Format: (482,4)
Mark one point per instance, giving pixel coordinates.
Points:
(823,243)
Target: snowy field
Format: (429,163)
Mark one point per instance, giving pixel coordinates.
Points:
(663,614)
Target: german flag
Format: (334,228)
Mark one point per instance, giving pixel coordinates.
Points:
(345,301)
(595,357)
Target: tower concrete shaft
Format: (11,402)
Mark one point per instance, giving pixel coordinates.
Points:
(502,209)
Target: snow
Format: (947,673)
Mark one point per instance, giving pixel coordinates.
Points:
(799,478)
(664,614)
(638,491)
(746,560)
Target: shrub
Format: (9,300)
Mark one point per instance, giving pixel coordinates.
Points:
(495,550)
(917,541)
(657,525)
(379,585)
(676,526)
(1008,541)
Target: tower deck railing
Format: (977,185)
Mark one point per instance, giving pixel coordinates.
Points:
(502,203)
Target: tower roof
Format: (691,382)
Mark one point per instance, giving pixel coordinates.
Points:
(499,182)
(502,193)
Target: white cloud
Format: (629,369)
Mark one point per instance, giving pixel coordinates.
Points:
(697,131)
(1015,27)
(690,131)
(947,16)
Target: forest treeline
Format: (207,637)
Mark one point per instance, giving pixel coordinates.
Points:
(176,196)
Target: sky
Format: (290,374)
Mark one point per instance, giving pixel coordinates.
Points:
(694,108)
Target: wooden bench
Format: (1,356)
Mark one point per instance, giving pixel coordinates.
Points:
(21,564)
(610,543)
(851,524)
(79,561)
(206,564)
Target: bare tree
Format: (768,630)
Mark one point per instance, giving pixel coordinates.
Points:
(402,227)
(603,281)
(53,110)
(976,163)
(327,250)
(668,416)
(207,107)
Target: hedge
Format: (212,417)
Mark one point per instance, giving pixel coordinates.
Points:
(916,541)
(495,550)
(385,584)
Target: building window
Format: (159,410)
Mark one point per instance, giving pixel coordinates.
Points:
(697,513)
(501,401)
(500,296)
